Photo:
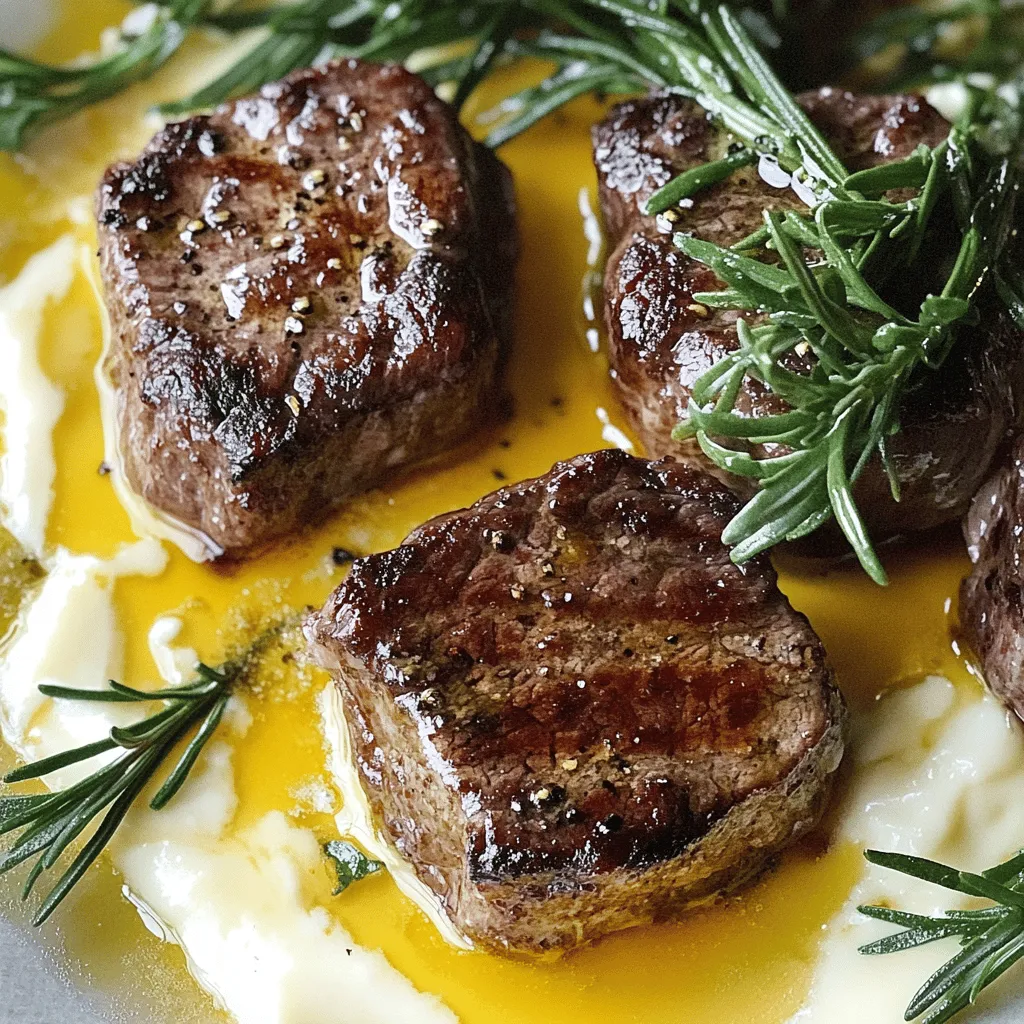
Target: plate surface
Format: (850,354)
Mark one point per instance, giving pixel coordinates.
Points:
(34,988)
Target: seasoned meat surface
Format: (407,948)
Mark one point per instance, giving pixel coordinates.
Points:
(953,423)
(572,712)
(309,289)
(991,603)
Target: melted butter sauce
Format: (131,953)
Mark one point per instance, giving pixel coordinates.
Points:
(747,957)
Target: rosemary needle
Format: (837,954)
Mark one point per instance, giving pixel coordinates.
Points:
(33,95)
(991,939)
(819,281)
(51,822)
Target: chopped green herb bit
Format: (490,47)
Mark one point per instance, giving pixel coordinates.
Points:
(351,864)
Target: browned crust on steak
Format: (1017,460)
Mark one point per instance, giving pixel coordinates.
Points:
(992,597)
(952,426)
(245,416)
(569,709)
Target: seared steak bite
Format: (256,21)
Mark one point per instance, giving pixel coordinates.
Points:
(572,713)
(661,340)
(309,289)
(992,597)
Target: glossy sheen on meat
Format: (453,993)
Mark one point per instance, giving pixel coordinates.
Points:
(953,423)
(309,289)
(572,712)
(992,597)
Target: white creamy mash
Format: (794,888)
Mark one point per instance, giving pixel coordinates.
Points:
(31,403)
(241,905)
(938,777)
(937,772)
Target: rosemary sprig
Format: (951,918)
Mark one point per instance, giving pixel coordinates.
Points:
(816,282)
(606,46)
(467,37)
(818,290)
(33,95)
(313,31)
(51,822)
(991,939)
(864,353)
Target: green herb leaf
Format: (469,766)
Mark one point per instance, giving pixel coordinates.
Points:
(350,863)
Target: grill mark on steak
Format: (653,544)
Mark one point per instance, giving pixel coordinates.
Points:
(991,605)
(572,712)
(309,289)
(953,422)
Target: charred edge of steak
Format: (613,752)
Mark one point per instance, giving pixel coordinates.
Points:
(572,712)
(661,340)
(992,596)
(309,290)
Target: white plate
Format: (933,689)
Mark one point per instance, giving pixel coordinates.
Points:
(32,988)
